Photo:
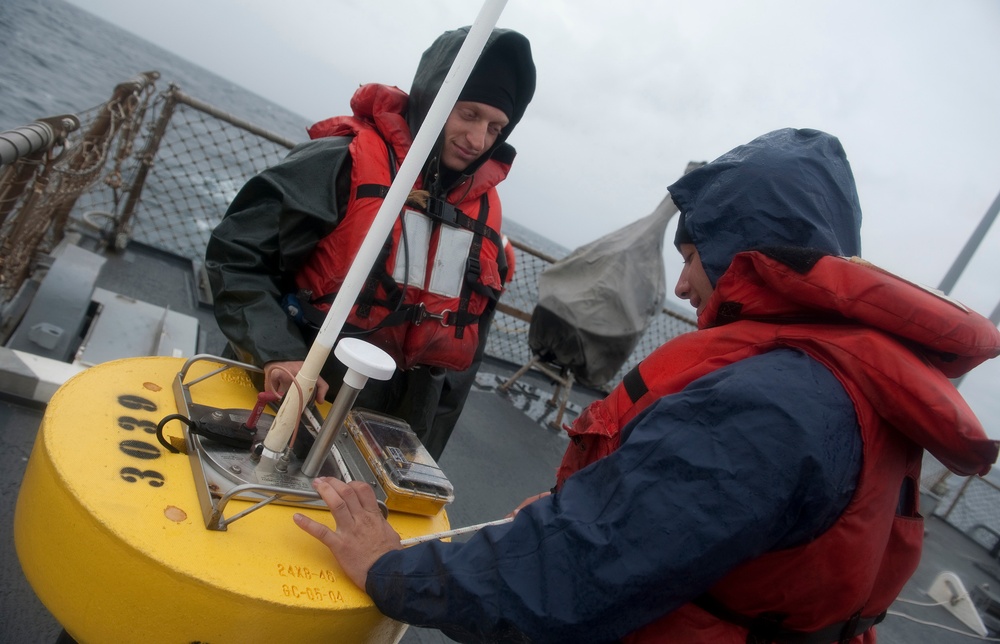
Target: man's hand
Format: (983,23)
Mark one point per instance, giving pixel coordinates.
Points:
(362,534)
(278,376)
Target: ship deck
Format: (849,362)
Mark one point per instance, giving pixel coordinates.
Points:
(502,451)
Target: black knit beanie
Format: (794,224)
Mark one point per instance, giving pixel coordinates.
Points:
(493,81)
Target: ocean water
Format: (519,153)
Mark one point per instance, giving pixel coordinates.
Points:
(56,58)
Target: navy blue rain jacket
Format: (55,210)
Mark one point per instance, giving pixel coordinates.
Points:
(760,455)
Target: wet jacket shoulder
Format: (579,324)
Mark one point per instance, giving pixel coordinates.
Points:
(268,232)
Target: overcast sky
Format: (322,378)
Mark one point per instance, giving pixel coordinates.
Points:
(629,91)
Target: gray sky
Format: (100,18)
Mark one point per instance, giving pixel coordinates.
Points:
(630,91)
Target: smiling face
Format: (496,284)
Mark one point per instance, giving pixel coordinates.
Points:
(471,129)
(693,283)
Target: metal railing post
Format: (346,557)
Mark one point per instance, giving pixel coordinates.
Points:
(146,158)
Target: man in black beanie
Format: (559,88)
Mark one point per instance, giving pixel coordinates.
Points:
(281,253)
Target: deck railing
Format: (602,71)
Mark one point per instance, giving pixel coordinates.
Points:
(161,169)
(970,504)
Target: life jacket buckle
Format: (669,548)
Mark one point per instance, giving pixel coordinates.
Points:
(420,313)
(473,268)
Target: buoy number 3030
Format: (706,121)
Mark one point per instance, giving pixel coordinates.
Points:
(140,450)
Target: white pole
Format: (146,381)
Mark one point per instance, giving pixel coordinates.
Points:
(285,421)
(406,543)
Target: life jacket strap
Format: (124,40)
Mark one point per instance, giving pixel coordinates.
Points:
(377,276)
(766,628)
(440,210)
(371,191)
(635,386)
(417,314)
(472,266)
(303,310)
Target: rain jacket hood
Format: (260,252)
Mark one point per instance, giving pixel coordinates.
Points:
(786,188)
(436,62)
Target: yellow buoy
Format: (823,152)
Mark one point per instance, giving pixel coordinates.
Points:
(109,531)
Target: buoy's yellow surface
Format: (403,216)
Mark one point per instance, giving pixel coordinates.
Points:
(110,534)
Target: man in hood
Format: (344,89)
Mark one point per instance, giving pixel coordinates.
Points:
(756,480)
(281,253)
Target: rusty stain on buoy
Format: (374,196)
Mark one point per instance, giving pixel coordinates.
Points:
(175,514)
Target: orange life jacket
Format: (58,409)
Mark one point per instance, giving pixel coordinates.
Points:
(839,584)
(440,269)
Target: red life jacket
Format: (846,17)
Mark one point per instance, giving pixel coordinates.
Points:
(423,311)
(903,402)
